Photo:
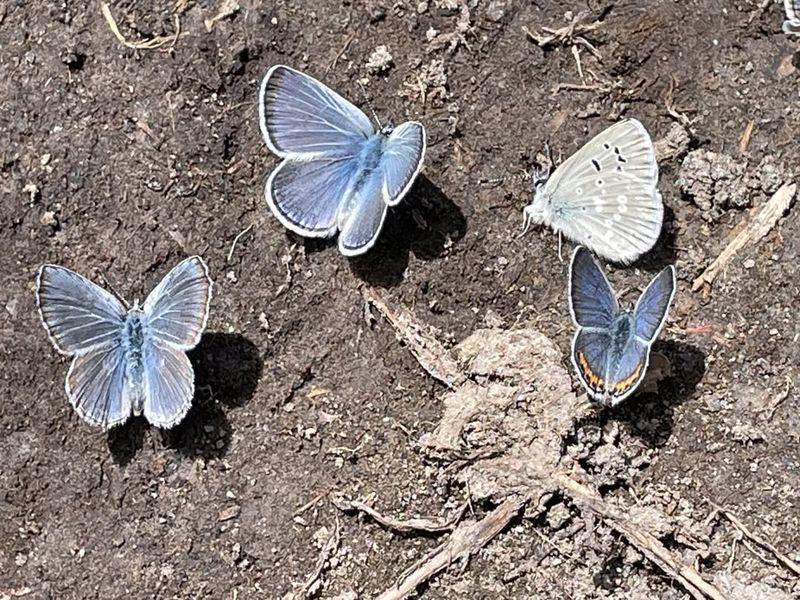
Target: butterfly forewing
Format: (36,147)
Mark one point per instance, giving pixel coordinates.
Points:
(78,315)
(624,147)
(402,159)
(96,387)
(304,119)
(176,311)
(306,196)
(592,300)
(168,380)
(652,306)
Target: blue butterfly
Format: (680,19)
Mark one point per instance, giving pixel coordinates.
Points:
(127,359)
(338,174)
(611,349)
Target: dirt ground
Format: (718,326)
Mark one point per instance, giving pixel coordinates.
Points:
(120,161)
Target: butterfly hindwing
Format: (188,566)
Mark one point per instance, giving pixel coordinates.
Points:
(590,359)
(306,196)
(78,315)
(97,388)
(168,380)
(592,300)
(362,217)
(627,368)
(652,306)
(605,196)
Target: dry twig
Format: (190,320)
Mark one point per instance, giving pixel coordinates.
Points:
(429,352)
(150,44)
(760,225)
(312,584)
(402,526)
(782,558)
(465,541)
(227,9)
(236,240)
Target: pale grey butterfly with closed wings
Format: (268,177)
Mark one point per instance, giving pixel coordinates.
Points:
(605,196)
(127,359)
(792,23)
(338,173)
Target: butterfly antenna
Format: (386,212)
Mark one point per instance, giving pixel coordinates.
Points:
(107,283)
(369,104)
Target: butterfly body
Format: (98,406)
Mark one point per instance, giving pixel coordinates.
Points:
(127,360)
(365,175)
(338,174)
(132,348)
(605,196)
(611,347)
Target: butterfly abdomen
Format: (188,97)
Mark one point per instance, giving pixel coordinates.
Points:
(133,344)
(367,164)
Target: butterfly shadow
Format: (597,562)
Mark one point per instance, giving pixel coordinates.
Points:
(426,223)
(227,368)
(650,416)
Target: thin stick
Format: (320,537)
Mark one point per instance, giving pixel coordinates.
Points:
(150,44)
(465,541)
(588,499)
(236,239)
(761,223)
(429,352)
(406,526)
(782,558)
(312,584)
(310,504)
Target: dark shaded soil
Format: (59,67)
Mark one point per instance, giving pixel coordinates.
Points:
(122,161)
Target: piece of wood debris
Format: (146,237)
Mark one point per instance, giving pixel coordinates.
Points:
(429,352)
(589,500)
(744,141)
(236,240)
(761,223)
(465,541)
(227,8)
(402,526)
(150,44)
(313,583)
(531,469)
(782,558)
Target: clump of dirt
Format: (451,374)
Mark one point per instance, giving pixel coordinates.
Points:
(716,182)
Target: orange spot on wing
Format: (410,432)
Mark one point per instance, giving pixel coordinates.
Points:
(595,381)
(623,385)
